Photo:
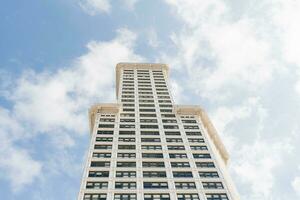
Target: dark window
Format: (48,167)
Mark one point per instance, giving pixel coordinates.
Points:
(175,140)
(201,155)
(155,185)
(172,133)
(126,164)
(100,164)
(169,121)
(180,164)
(106,126)
(175,147)
(202,147)
(126,155)
(149,133)
(171,127)
(146,126)
(125,174)
(125,197)
(212,185)
(148,120)
(126,146)
(188,197)
(191,127)
(205,164)
(191,133)
(156,196)
(96,185)
(101,155)
(152,155)
(98,146)
(125,185)
(153,164)
(104,139)
(150,139)
(94,197)
(147,115)
(98,174)
(185,185)
(221,196)
(127,120)
(126,132)
(178,155)
(127,126)
(182,174)
(208,174)
(105,132)
(151,174)
(126,139)
(196,140)
(151,147)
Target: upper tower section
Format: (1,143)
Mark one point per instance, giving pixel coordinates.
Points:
(154,66)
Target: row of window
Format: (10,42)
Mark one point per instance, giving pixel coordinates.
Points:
(162,196)
(153,185)
(148,126)
(179,174)
(157,147)
(146,132)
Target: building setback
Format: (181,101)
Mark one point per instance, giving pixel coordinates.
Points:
(144,147)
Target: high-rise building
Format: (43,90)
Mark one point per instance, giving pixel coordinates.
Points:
(145,147)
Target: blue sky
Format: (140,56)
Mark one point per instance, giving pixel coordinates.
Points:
(237,59)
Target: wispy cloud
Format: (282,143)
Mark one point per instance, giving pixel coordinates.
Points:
(94,7)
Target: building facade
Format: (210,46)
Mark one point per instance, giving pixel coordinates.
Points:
(144,147)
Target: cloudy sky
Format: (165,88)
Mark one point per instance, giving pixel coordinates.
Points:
(240,60)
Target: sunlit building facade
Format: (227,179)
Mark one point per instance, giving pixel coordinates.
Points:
(145,147)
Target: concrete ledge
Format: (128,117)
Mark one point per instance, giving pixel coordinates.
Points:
(155,66)
(112,108)
(197,110)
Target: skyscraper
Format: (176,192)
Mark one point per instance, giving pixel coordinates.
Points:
(145,147)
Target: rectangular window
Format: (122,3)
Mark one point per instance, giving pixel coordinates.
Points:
(98,174)
(174,140)
(196,140)
(177,155)
(150,139)
(146,105)
(152,174)
(148,126)
(205,164)
(153,164)
(107,120)
(147,115)
(166,110)
(212,185)
(221,196)
(191,127)
(127,115)
(106,125)
(182,174)
(171,127)
(202,147)
(98,146)
(172,133)
(209,174)
(155,185)
(168,116)
(124,197)
(185,185)
(126,155)
(126,139)
(188,197)
(126,132)
(96,185)
(169,121)
(100,164)
(101,155)
(148,120)
(147,110)
(201,155)
(94,197)
(128,109)
(151,147)
(126,146)
(173,147)
(191,133)
(125,185)
(152,155)
(104,139)
(105,132)
(127,126)
(180,164)
(127,120)
(156,196)
(149,133)
(125,174)
(188,121)
(126,164)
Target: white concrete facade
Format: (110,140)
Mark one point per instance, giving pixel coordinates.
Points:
(142,133)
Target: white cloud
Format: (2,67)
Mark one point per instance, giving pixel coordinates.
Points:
(152,37)
(94,7)
(130,4)
(296,185)
(56,104)
(16,164)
